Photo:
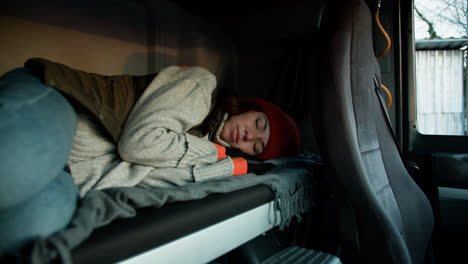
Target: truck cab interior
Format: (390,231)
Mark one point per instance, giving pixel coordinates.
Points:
(382,189)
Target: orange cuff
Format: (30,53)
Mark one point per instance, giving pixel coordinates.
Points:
(240,166)
(221,151)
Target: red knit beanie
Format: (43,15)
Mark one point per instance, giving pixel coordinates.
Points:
(284,138)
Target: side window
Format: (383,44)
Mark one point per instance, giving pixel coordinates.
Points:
(441,31)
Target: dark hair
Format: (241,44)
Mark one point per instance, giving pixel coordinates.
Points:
(235,105)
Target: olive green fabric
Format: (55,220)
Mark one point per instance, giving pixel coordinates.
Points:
(109,98)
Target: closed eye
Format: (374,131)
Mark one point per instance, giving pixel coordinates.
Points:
(260,146)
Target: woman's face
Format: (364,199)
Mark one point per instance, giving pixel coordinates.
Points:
(249,132)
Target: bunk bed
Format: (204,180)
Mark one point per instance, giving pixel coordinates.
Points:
(204,220)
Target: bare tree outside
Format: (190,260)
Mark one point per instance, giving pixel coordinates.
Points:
(455,13)
(441,18)
(430,24)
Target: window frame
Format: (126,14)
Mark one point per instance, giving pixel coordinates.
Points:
(413,140)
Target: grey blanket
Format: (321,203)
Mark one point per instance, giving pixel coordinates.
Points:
(291,182)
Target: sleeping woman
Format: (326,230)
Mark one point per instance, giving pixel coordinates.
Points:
(65,132)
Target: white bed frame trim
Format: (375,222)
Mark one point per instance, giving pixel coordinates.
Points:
(214,241)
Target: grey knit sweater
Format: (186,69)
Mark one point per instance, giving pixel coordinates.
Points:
(154,149)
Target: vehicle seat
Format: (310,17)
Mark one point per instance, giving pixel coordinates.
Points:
(393,217)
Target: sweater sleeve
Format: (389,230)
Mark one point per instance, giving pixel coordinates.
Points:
(240,166)
(167,177)
(155,131)
(221,151)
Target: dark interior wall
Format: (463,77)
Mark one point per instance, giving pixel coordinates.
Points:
(266,41)
(178,36)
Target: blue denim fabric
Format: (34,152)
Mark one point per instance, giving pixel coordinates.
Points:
(37,127)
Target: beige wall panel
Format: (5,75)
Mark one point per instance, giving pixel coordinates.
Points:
(22,39)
